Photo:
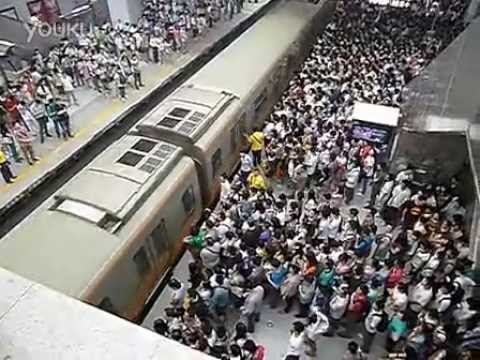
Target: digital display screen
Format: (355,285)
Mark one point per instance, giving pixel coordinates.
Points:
(370,133)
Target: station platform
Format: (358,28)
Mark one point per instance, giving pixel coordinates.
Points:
(96,113)
(39,323)
(273,329)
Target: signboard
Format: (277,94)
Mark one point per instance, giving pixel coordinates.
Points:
(371,133)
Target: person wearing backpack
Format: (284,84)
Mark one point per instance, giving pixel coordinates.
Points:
(376,320)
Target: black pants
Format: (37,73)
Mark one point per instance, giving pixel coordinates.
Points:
(64,122)
(251,320)
(257,157)
(390,215)
(6,172)
(349,193)
(289,301)
(42,124)
(367,340)
(156,57)
(137,77)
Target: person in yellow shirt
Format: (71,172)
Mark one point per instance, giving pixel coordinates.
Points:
(5,169)
(257,143)
(256,181)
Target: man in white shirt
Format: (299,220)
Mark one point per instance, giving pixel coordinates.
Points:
(371,322)
(338,306)
(420,297)
(400,194)
(296,342)
(351,181)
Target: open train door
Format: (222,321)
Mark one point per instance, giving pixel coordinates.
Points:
(376,124)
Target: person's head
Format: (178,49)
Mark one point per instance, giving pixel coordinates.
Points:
(174,284)
(298,327)
(353,347)
(250,346)
(240,330)
(221,331)
(235,350)
(160,326)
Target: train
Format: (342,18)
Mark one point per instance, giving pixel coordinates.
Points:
(111,233)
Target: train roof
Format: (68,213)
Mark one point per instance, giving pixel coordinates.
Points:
(188,112)
(258,49)
(57,250)
(129,168)
(68,239)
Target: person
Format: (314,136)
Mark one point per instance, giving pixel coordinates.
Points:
(256,181)
(246,165)
(356,309)
(306,292)
(68,89)
(64,120)
(178,293)
(317,325)
(24,139)
(252,306)
(53,109)
(372,324)
(296,341)
(137,73)
(40,113)
(257,143)
(353,352)
(5,169)
(400,194)
(220,299)
(195,241)
(352,179)
(338,307)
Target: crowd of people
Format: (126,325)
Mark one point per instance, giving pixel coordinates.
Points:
(315,220)
(106,59)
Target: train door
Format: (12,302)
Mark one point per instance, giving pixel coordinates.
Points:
(158,242)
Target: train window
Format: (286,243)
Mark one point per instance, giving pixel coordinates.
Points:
(179,112)
(130,159)
(235,136)
(141,261)
(106,305)
(260,100)
(169,122)
(188,199)
(217,162)
(197,116)
(144,145)
(159,237)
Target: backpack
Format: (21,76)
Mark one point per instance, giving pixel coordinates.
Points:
(383,324)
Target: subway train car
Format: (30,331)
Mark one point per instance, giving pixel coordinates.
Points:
(110,234)
(236,90)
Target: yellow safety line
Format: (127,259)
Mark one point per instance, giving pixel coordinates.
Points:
(115,105)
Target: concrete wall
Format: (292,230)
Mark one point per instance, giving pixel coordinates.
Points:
(444,155)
